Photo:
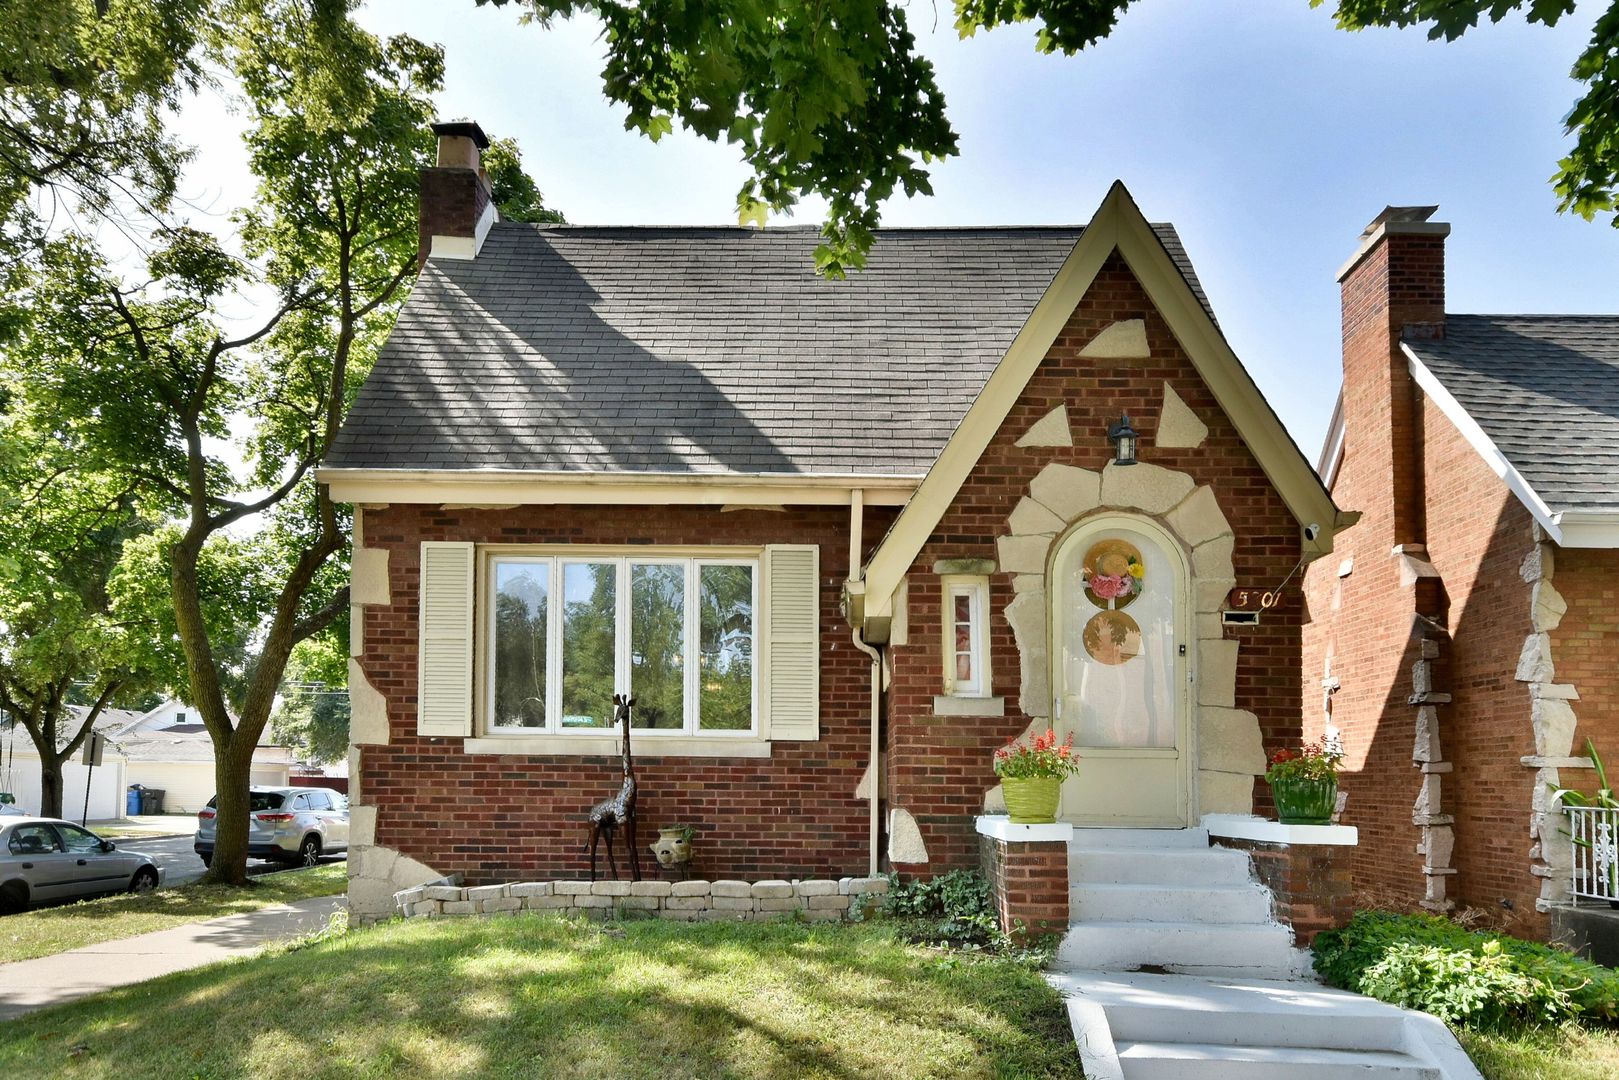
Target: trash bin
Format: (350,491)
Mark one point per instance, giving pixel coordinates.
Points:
(132,799)
(152,800)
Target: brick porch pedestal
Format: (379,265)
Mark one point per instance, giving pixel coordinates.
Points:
(1306,868)
(1027,869)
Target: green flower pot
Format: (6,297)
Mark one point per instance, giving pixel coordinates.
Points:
(1031,800)
(1305,802)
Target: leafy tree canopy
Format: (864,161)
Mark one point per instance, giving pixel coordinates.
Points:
(516,195)
(831,98)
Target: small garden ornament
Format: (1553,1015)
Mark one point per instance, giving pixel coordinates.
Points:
(672,849)
(1304,783)
(1032,774)
(609,815)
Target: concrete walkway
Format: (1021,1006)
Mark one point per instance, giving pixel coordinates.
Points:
(51,980)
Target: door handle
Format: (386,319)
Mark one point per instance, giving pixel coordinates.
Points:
(27,866)
(82,862)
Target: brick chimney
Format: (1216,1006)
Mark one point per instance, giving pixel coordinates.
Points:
(456,207)
(1393,285)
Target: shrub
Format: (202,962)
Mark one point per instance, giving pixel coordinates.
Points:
(950,909)
(1478,980)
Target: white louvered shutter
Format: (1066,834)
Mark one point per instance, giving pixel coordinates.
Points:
(792,642)
(444,665)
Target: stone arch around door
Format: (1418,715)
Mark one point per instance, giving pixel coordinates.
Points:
(1225,743)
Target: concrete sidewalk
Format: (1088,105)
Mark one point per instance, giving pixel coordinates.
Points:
(51,980)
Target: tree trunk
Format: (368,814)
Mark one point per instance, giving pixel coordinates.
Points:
(50,786)
(233,774)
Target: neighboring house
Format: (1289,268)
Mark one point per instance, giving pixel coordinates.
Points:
(1464,638)
(20,771)
(169,748)
(834,536)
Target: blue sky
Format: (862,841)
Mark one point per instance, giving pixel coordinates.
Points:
(1268,137)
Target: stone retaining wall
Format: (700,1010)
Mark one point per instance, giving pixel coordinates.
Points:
(825,900)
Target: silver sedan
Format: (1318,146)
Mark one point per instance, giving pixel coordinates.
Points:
(47,859)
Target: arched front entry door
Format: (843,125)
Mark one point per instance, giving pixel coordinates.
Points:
(1120,641)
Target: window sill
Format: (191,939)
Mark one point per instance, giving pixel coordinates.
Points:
(651,746)
(969,706)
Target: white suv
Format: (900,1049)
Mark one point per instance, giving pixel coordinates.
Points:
(294,825)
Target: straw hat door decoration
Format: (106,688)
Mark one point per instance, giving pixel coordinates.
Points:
(1114,576)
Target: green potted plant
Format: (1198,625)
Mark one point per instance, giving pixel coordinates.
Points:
(1032,774)
(1304,783)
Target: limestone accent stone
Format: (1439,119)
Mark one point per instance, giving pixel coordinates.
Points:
(1209,625)
(862,790)
(1538,564)
(1438,844)
(905,838)
(1067,491)
(376,874)
(1224,793)
(1212,558)
(1198,518)
(1050,430)
(1141,486)
(1023,554)
(1033,518)
(1553,722)
(1123,340)
(1209,594)
(368,710)
(1026,615)
(982,567)
(1535,660)
(368,576)
(1217,672)
(1560,691)
(1028,582)
(1229,741)
(1422,677)
(1178,426)
(1429,804)
(1427,741)
(362,826)
(995,800)
(1413,569)
(1547,606)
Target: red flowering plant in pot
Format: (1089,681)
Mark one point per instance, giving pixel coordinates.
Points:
(1031,775)
(1304,783)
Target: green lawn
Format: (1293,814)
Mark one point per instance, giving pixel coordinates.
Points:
(532,996)
(52,930)
(1568,1053)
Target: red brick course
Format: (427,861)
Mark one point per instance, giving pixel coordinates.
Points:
(1028,884)
(1312,885)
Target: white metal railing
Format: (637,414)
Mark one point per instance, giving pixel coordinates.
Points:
(1594,834)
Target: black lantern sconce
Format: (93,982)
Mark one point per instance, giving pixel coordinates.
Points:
(1124,439)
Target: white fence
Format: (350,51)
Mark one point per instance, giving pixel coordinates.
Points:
(1594,832)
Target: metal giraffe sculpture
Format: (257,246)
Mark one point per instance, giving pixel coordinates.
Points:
(609,815)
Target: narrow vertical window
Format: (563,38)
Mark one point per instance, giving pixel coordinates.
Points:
(589,643)
(725,657)
(658,644)
(521,660)
(966,640)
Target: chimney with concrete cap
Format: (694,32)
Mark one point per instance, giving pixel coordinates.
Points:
(1392,287)
(457,207)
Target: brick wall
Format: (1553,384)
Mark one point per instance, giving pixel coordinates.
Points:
(512,817)
(452,201)
(1028,884)
(1312,886)
(1585,646)
(939,768)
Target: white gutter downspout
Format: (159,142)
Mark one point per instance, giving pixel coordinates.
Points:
(857,501)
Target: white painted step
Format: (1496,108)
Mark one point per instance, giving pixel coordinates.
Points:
(1245,903)
(1192,866)
(1138,840)
(1237,1012)
(1219,949)
(1202,1061)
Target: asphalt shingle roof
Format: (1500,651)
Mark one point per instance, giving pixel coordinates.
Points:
(1545,389)
(698,350)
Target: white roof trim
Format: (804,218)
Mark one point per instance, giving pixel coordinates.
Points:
(1332,449)
(532,486)
(1474,434)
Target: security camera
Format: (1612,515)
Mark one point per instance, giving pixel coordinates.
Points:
(1311,531)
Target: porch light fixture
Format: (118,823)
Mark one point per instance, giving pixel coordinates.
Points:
(1124,438)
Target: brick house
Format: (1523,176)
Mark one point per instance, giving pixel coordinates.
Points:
(1464,638)
(837,538)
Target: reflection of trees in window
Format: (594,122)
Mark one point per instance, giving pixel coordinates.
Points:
(725,598)
(589,638)
(658,644)
(521,603)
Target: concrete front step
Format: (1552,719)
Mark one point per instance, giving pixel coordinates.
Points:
(1190,866)
(1237,949)
(1246,903)
(1237,1012)
(1202,1061)
(1138,840)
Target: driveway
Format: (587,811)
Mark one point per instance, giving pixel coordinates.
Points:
(181,864)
